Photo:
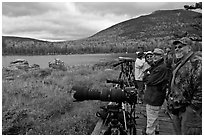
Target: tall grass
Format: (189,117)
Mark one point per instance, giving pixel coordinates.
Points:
(40,102)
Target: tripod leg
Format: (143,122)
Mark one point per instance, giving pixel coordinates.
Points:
(124,116)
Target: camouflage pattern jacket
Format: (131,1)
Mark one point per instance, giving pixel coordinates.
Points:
(187,86)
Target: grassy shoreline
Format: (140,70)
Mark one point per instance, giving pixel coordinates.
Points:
(40,102)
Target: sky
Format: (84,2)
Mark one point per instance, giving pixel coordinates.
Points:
(55,21)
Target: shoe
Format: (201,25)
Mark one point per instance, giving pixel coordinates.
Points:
(156,132)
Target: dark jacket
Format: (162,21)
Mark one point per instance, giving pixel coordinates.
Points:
(156,83)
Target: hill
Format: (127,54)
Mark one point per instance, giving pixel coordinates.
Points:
(157,29)
(160,23)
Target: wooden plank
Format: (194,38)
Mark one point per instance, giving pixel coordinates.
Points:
(166,124)
(98,127)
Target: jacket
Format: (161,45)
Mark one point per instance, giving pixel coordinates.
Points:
(187,85)
(139,68)
(156,83)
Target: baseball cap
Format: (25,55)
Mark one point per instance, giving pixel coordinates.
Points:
(184,41)
(158,51)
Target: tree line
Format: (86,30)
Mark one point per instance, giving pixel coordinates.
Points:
(13,47)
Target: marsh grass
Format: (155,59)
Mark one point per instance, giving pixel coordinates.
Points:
(40,102)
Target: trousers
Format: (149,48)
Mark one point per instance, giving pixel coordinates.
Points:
(152,119)
(140,86)
(187,123)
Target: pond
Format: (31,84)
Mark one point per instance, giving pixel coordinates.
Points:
(76,59)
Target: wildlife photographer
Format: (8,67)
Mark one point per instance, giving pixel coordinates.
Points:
(139,68)
(155,91)
(185,98)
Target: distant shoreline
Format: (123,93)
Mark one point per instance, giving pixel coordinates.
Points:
(73,59)
(67,54)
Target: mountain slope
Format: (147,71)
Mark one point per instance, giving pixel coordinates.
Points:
(158,24)
(157,29)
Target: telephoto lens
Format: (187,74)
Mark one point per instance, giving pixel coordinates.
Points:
(83,93)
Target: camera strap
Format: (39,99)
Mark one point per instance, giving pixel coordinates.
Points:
(179,66)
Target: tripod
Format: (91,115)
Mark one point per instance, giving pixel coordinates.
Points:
(126,82)
(126,71)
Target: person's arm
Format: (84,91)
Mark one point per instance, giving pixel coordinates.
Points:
(158,76)
(146,74)
(139,64)
(196,80)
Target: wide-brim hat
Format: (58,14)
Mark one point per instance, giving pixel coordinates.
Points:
(149,52)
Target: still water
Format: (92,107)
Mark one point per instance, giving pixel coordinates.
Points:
(77,59)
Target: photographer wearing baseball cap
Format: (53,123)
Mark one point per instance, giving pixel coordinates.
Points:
(185,98)
(155,92)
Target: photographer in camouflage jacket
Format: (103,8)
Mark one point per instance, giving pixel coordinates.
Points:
(185,98)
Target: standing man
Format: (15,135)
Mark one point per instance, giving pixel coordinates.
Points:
(185,99)
(155,91)
(139,67)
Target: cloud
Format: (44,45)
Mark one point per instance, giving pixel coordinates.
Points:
(14,9)
(54,21)
(129,9)
(70,21)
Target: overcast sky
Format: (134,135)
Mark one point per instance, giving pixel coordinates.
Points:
(71,21)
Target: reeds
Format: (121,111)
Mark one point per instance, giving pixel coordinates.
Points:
(40,101)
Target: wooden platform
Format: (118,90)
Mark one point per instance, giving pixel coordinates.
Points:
(166,125)
(165,122)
